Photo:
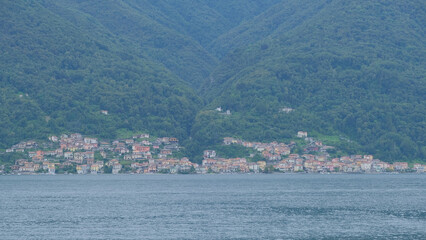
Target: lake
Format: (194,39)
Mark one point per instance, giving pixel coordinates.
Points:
(277,206)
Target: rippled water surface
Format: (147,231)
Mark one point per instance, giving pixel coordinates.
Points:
(279,206)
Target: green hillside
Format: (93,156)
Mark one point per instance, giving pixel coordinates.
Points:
(57,75)
(351,70)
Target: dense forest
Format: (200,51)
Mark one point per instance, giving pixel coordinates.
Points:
(353,72)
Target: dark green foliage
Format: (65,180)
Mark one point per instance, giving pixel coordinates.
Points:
(231,151)
(347,68)
(353,69)
(56,75)
(10,158)
(67,169)
(107,169)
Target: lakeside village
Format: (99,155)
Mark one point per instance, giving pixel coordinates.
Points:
(141,154)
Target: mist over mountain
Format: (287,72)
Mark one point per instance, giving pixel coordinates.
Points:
(350,70)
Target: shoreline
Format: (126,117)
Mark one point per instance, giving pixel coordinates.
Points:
(276,173)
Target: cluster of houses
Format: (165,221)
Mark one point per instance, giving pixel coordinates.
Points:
(22,165)
(213,164)
(141,153)
(347,164)
(83,155)
(315,158)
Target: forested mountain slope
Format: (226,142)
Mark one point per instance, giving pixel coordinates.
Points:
(59,71)
(62,62)
(174,33)
(353,70)
(347,68)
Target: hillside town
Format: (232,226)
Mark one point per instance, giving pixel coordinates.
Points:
(142,154)
(315,159)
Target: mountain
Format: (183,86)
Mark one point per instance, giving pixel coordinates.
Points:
(62,62)
(351,69)
(59,69)
(353,72)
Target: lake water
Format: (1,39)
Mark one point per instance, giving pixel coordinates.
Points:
(278,206)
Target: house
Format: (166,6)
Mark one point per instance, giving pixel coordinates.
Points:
(76,136)
(152,169)
(82,169)
(100,164)
(286,109)
(185,161)
(174,170)
(68,155)
(14,167)
(164,140)
(51,169)
(104,112)
(87,155)
(298,167)
(366,166)
(282,150)
(116,168)
(53,138)
(143,135)
(208,162)
(209,154)
(400,166)
(136,156)
(29,167)
(253,167)
(262,164)
(201,170)
(78,157)
(284,167)
(228,140)
(419,167)
(31,144)
(20,162)
(94,168)
(166,151)
(301,134)
(321,158)
(172,146)
(274,157)
(111,162)
(90,140)
(140,149)
(121,150)
(90,161)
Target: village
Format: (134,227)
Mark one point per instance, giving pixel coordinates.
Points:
(143,154)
